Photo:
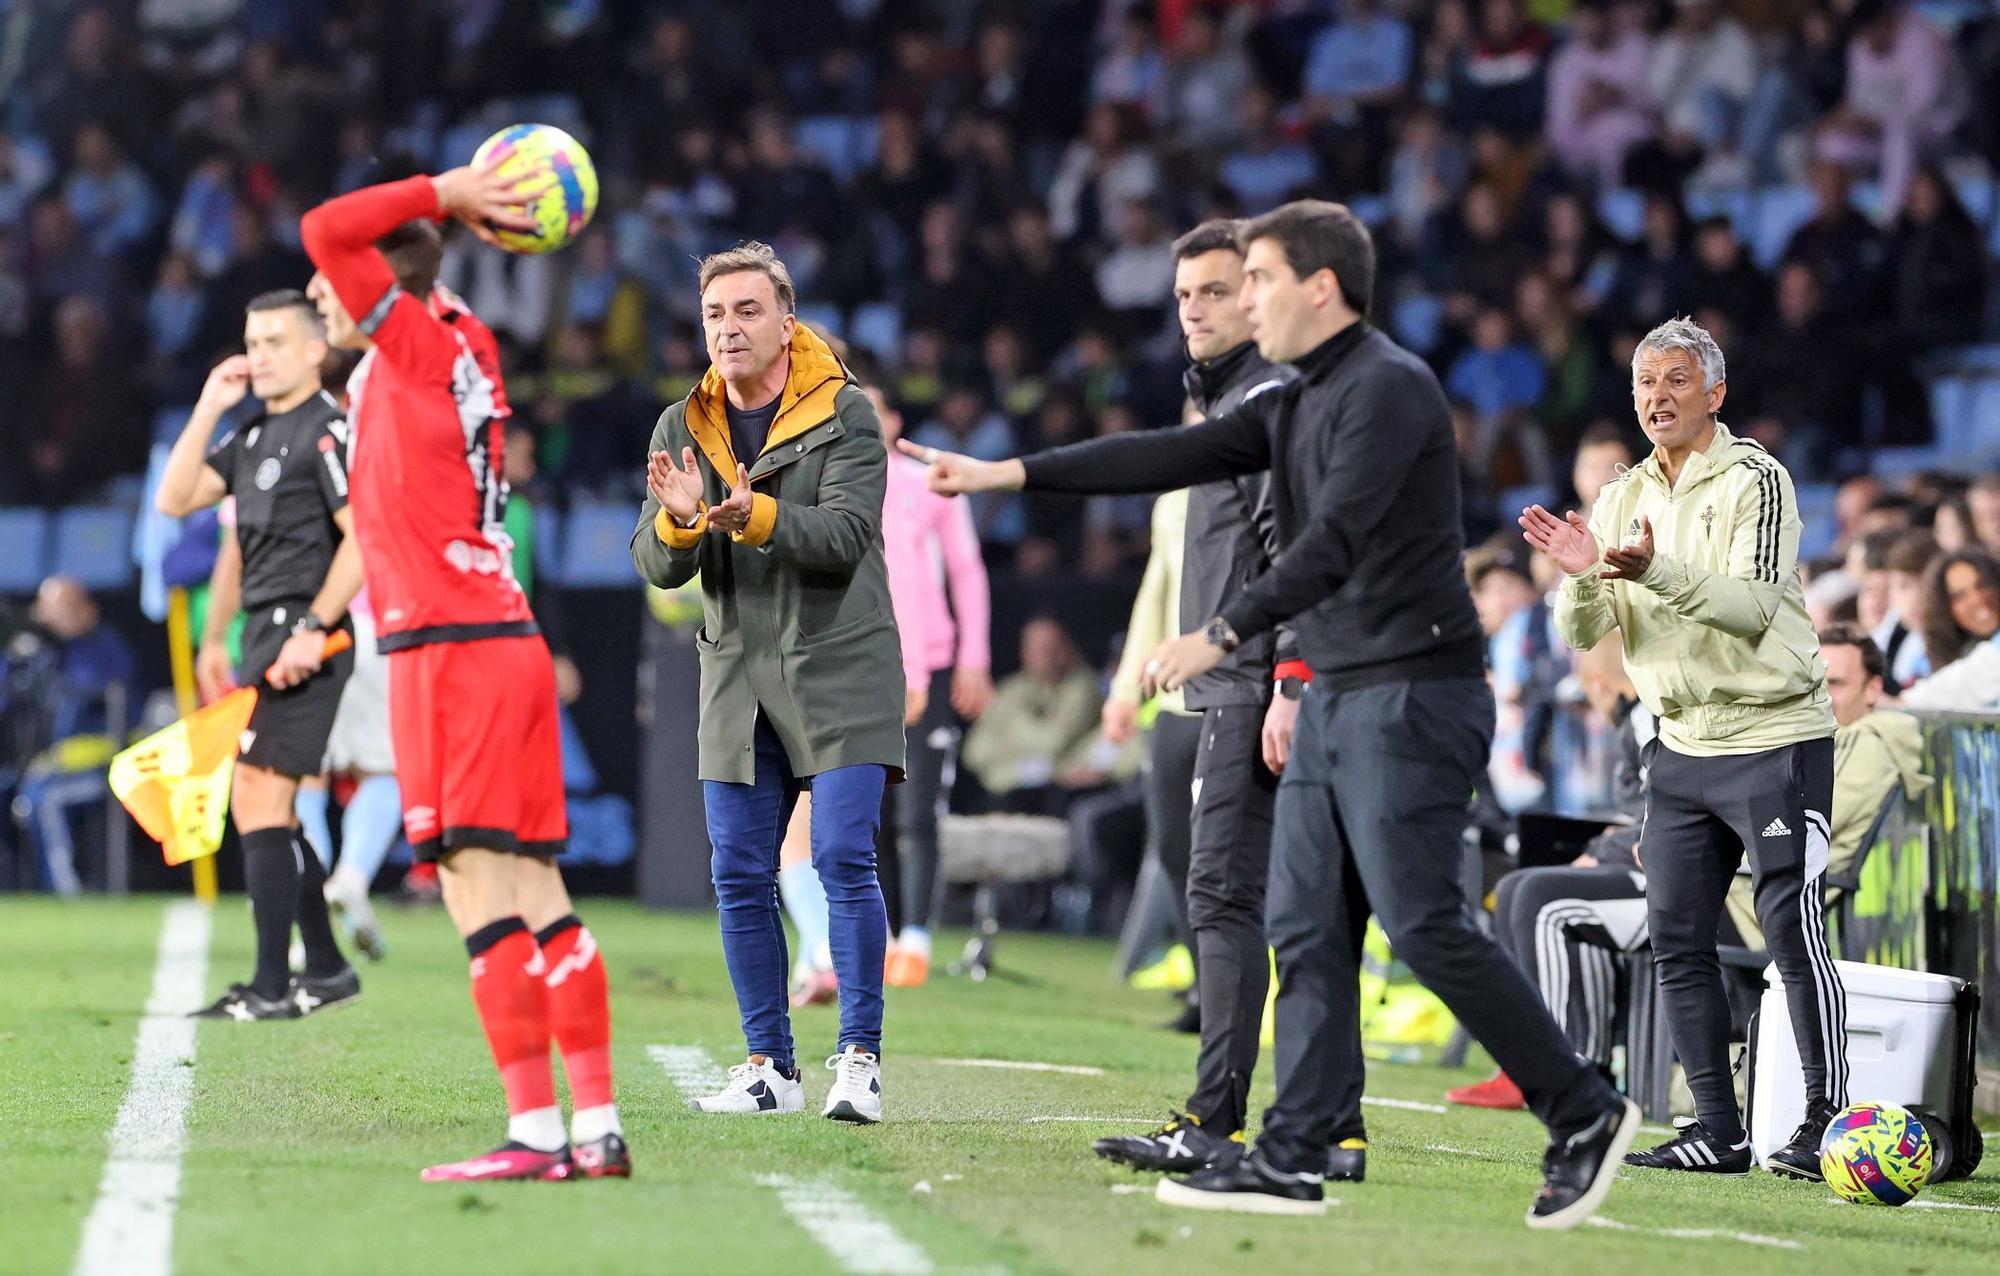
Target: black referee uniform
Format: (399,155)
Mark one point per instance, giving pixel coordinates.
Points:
(1393,733)
(288,474)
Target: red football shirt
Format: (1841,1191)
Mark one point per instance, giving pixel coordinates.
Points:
(427,415)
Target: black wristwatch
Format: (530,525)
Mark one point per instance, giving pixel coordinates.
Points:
(1292,687)
(309,624)
(1221,635)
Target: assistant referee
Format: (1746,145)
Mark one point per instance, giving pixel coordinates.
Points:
(287,468)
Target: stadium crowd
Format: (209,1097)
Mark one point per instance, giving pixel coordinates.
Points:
(978,198)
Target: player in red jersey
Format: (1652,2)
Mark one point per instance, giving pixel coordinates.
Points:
(472,685)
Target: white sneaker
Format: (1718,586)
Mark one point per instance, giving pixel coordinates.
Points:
(756,1088)
(347,898)
(857,1087)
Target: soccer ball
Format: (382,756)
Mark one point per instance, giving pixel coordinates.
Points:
(529,150)
(1876,1154)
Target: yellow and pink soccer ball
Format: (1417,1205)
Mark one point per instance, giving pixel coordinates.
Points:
(1876,1154)
(562,211)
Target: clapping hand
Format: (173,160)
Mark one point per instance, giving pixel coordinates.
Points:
(733,515)
(1629,562)
(1567,540)
(676,487)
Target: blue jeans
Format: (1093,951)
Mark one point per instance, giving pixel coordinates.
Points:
(746,826)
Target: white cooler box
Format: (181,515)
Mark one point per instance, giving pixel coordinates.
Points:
(1909,1042)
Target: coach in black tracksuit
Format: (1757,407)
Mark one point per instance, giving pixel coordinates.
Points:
(1393,733)
(1230,541)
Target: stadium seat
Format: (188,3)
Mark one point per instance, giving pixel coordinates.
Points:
(1778,213)
(24,531)
(1623,212)
(597,549)
(1892,463)
(844,144)
(1511,501)
(1415,321)
(826,320)
(1822,522)
(877,328)
(548,542)
(94,544)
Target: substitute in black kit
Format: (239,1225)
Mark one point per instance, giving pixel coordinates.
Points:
(287,468)
(1393,733)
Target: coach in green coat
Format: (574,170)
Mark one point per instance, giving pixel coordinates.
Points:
(768,481)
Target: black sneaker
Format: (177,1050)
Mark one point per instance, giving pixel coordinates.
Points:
(1347,1161)
(1696,1150)
(1180,1146)
(243,1002)
(1246,1186)
(1799,1159)
(1188,1020)
(315,994)
(1578,1171)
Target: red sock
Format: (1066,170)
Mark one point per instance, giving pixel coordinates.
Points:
(513,1005)
(579,1008)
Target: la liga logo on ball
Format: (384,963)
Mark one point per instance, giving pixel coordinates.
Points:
(1876,1154)
(527,151)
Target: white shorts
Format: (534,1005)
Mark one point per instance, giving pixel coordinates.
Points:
(360,741)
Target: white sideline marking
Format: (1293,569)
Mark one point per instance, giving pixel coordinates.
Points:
(1955,1205)
(130,1231)
(1410,1105)
(1090,1120)
(1696,1233)
(859,1241)
(1023,1065)
(689,1068)
(1452,1150)
(1131,1189)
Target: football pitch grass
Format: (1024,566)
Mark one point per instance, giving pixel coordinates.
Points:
(303,1140)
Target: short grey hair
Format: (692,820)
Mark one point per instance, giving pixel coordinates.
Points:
(1691,339)
(752,256)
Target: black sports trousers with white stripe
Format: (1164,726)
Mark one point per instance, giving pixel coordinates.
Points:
(1702,813)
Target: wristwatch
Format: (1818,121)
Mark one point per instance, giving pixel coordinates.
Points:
(1221,635)
(1291,687)
(309,624)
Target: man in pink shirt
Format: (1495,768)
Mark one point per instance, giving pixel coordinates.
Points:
(937,584)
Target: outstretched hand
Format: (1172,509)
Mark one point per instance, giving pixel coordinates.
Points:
(1567,540)
(486,201)
(953,475)
(676,487)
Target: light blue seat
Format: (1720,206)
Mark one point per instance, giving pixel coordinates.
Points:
(93,543)
(1415,321)
(1623,212)
(24,545)
(549,542)
(597,546)
(826,320)
(876,327)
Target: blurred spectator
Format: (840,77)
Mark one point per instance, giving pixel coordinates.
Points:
(1800,375)
(259,264)
(1355,75)
(1935,266)
(1704,70)
(1016,389)
(1037,746)
(1839,243)
(96,82)
(1903,93)
(1501,378)
(1266,168)
(1132,71)
(1868,568)
(967,425)
(1722,277)
(107,193)
(1851,504)
(1952,524)
(25,168)
(175,308)
(88,421)
(1984,499)
(1047,292)
(1900,635)
(1961,618)
(513,292)
(1602,454)
(1568,353)
(1503,81)
(1136,277)
(1207,75)
(56,681)
(1425,173)
(204,222)
(1599,101)
(1100,173)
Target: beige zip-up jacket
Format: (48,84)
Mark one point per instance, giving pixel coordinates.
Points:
(1716,635)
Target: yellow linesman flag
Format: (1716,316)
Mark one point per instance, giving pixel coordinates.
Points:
(175,782)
